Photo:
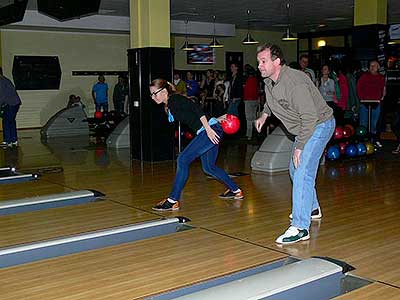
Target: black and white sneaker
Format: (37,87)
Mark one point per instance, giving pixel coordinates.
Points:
(316,214)
(166,205)
(293,235)
(228,194)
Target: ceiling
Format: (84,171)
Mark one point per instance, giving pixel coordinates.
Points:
(304,15)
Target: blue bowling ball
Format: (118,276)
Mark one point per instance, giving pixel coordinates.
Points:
(351,150)
(333,152)
(361,149)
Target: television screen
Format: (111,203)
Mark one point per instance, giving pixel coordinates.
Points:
(202,54)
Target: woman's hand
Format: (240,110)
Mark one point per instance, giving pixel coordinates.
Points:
(213,136)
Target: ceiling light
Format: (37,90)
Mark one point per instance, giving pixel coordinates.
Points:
(186,46)
(288,36)
(248,40)
(214,43)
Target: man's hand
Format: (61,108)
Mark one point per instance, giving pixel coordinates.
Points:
(259,123)
(296,157)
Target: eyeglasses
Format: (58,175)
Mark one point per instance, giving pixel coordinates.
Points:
(156,92)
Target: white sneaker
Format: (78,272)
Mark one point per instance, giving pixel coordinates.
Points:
(3,144)
(293,235)
(316,214)
(15,143)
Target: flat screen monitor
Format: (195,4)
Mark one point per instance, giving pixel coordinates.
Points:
(202,54)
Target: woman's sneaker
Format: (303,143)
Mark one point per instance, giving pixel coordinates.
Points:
(166,205)
(316,214)
(293,235)
(228,194)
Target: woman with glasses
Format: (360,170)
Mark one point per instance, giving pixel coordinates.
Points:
(204,144)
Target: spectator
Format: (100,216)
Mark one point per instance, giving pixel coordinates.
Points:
(9,103)
(100,94)
(120,94)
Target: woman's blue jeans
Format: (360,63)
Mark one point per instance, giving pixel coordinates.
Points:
(201,146)
(304,195)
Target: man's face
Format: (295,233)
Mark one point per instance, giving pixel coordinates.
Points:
(234,68)
(266,65)
(374,67)
(303,62)
(101,79)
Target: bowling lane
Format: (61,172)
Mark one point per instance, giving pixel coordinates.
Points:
(56,222)
(30,189)
(133,270)
(373,292)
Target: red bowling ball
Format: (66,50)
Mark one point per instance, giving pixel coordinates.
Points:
(338,134)
(98,114)
(231,124)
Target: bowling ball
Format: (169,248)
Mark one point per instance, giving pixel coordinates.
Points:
(338,134)
(346,132)
(370,148)
(342,147)
(231,124)
(188,135)
(361,149)
(351,150)
(98,114)
(333,153)
(361,131)
(349,128)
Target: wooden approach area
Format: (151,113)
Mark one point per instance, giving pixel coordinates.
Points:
(360,224)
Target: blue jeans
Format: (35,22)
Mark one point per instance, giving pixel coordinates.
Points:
(304,195)
(375,113)
(201,146)
(103,106)
(9,123)
(233,108)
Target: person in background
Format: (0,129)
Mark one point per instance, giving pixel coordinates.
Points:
(192,86)
(303,62)
(180,85)
(371,86)
(251,98)
(293,98)
(341,95)
(9,103)
(121,91)
(100,94)
(235,90)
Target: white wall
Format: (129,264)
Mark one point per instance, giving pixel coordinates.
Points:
(76,52)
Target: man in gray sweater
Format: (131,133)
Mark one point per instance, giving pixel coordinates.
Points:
(293,98)
(9,103)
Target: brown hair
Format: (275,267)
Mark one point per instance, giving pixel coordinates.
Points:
(162,83)
(275,50)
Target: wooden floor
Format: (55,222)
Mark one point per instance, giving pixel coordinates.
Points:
(359,199)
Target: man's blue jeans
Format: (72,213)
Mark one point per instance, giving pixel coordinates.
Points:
(304,195)
(233,108)
(100,106)
(201,146)
(9,123)
(375,113)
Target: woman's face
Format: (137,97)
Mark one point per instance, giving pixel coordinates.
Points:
(159,95)
(325,70)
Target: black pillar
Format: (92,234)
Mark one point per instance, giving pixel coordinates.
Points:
(368,43)
(152,136)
